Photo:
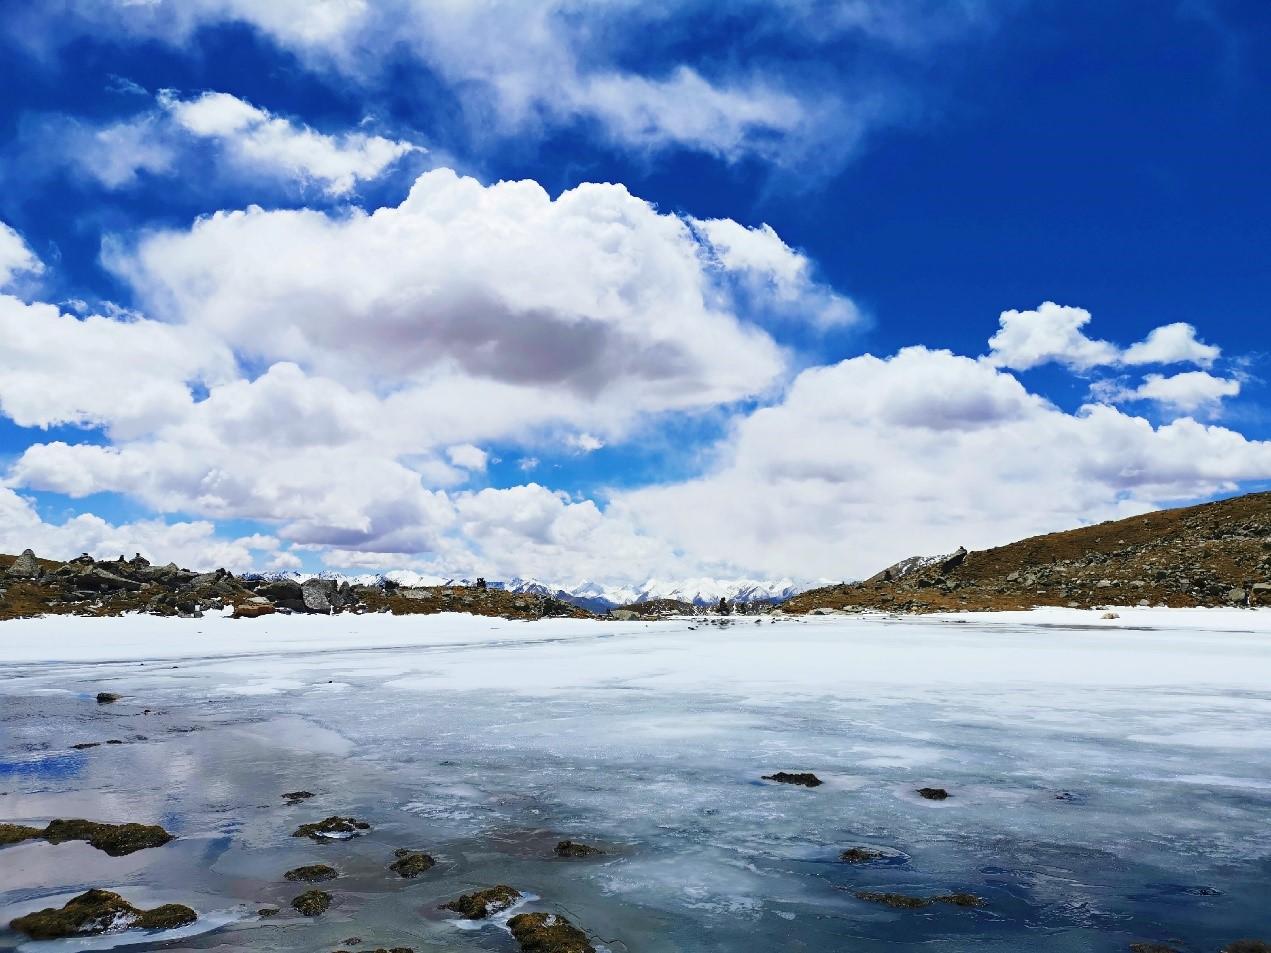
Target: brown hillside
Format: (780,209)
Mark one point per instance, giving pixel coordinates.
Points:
(1208,555)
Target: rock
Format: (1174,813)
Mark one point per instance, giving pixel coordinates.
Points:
(281,590)
(623,615)
(411,863)
(252,610)
(954,560)
(117,840)
(902,901)
(482,903)
(861,855)
(24,567)
(107,698)
(804,778)
(312,903)
(1236,595)
(1152,948)
(268,912)
(934,794)
(1109,615)
(548,933)
(1104,584)
(295,797)
(313,874)
(81,746)
(317,594)
(570,848)
(333,828)
(16,833)
(1247,946)
(99,911)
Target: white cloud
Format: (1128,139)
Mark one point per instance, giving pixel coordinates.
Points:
(190,544)
(16,258)
(600,304)
(519,66)
(467,457)
(1053,334)
(130,376)
(1188,392)
(584,442)
(1172,344)
(872,460)
(774,272)
(264,143)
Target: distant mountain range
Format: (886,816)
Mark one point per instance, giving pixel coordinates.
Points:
(598,597)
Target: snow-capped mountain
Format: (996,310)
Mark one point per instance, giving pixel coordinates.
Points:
(597,596)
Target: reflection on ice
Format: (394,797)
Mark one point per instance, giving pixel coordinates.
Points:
(1108,782)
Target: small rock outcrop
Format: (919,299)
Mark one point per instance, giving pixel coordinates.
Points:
(99,911)
(803,778)
(482,903)
(107,698)
(411,863)
(312,874)
(572,848)
(16,833)
(117,840)
(312,903)
(861,855)
(548,933)
(295,797)
(333,828)
(904,901)
(933,794)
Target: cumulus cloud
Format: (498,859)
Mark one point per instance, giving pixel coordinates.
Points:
(1054,333)
(127,375)
(874,459)
(16,258)
(594,296)
(194,544)
(1189,392)
(467,457)
(774,273)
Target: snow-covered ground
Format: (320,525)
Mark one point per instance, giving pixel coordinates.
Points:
(1110,779)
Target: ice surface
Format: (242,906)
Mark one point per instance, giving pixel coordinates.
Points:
(1111,779)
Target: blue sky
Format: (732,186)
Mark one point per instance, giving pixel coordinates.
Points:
(762,349)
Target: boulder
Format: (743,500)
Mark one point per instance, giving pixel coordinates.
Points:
(117,840)
(312,903)
(411,863)
(99,911)
(483,903)
(803,778)
(318,595)
(548,933)
(333,828)
(573,848)
(24,567)
(312,874)
(933,794)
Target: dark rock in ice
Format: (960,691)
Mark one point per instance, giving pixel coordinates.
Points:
(571,848)
(1247,946)
(1152,948)
(804,778)
(106,698)
(99,911)
(862,855)
(333,828)
(482,903)
(411,863)
(295,797)
(933,794)
(16,833)
(548,933)
(314,873)
(267,912)
(113,839)
(902,901)
(83,745)
(312,903)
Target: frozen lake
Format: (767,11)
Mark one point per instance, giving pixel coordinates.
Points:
(1110,781)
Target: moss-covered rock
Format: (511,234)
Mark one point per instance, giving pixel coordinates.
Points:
(573,848)
(483,903)
(902,901)
(113,839)
(861,855)
(295,797)
(333,828)
(803,778)
(312,903)
(548,933)
(312,874)
(16,833)
(97,911)
(411,863)
(933,794)
(268,912)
